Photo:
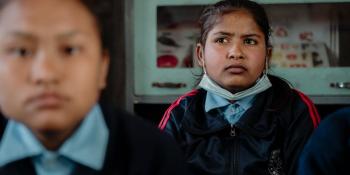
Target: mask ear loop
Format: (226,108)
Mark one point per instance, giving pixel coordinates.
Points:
(204,70)
(266,70)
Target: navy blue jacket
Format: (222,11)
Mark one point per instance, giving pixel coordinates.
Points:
(328,150)
(266,140)
(134,148)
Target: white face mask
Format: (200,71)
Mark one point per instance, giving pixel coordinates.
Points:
(261,85)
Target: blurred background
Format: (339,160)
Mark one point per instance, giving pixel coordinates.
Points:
(153,42)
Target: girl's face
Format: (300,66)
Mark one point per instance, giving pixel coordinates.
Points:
(235,51)
(51,64)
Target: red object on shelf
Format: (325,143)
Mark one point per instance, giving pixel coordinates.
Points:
(306,36)
(292,56)
(168,61)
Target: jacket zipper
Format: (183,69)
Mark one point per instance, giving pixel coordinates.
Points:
(234,152)
(233,130)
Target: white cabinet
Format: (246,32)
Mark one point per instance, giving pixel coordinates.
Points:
(163,37)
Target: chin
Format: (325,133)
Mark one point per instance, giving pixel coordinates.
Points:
(49,126)
(53,122)
(237,88)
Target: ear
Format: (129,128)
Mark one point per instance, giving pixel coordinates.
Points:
(104,67)
(200,54)
(268,53)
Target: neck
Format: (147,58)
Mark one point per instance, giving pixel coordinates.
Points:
(52,140)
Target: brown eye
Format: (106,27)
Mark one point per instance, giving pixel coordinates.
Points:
(250,41)
(221,40)
(21,52)
(70,50)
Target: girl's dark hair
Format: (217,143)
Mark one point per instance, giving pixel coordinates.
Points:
(212,13)
(3,3)
(101,10)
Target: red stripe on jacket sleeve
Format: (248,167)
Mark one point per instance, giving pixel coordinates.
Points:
(315,117)
(166,115)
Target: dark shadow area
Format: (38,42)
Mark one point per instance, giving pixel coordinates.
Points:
(151,112)
(324,110)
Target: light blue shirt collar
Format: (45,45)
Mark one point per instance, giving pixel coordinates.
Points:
(213,101)
(86,146)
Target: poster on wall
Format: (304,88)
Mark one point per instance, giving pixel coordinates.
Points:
(177,32)
(299,40)
(303,39)
(176,46)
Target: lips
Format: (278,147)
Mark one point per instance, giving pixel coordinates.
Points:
(235,69)
(47,100)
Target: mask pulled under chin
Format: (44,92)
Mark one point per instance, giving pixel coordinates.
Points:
(261,85)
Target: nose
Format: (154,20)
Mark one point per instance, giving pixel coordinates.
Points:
(44,70)
(235,51)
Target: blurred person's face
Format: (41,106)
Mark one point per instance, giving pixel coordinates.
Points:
(52,67)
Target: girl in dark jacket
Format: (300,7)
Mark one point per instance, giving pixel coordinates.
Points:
(240,120)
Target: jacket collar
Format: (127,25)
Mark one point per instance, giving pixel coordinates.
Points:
(256,120)
(213,101)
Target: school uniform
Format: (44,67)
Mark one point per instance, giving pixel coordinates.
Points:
(107,142)
(261,134)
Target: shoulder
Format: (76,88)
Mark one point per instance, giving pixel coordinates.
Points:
(183,103)
(333,129)
(293,102)
(135,133)
(341,114)
(304,106)
(337,122)
(328,146)
(283,93)
(135,145)
(188,98)
(126,124)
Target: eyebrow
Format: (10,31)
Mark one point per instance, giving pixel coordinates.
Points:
(68,34)
(31,37)
(23,35)
(232,34)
